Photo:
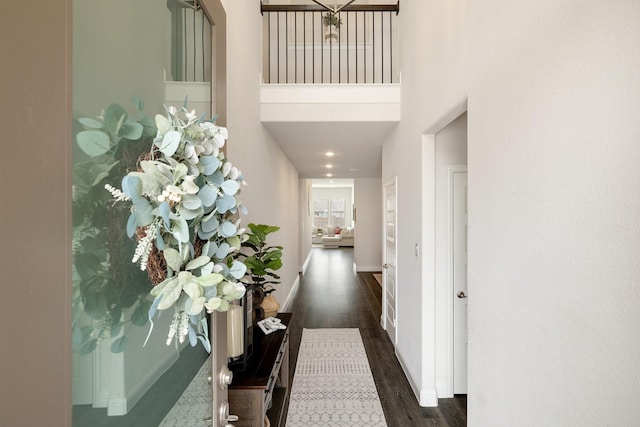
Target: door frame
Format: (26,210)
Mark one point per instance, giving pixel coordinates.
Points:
(394,182)
(450,291)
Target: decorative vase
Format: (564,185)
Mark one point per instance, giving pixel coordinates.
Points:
(331,34)
(270,305)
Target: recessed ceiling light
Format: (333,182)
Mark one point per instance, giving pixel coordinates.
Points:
(329,153)
(329,175)
(329,166)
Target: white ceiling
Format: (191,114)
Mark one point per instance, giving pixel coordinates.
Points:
(357,147)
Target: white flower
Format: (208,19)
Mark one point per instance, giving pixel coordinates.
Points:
(191,115)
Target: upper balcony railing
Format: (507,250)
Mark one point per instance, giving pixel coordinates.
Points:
(301,45)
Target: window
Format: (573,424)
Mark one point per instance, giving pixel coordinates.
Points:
(329,213)
(320,213)
(337,213)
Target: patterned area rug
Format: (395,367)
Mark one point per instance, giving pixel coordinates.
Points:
(195,403)
(333,385)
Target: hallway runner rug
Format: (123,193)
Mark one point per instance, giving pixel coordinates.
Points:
(333,385)
(195,403)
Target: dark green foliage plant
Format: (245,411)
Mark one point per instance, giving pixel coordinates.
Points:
(261,259)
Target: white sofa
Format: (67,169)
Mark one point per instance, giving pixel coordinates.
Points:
(333,238)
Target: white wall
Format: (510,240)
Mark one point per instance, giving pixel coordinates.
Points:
(272,194)
(553,202)
(553,232)
(367,251)
(306,222)
(431,52)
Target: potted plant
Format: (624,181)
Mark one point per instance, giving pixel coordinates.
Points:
(333,22)
(262,260)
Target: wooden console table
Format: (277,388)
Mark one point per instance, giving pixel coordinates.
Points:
(265,382)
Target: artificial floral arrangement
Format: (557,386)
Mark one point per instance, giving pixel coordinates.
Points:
(185,216)
(181,200)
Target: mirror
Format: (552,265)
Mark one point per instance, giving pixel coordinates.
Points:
(130,59)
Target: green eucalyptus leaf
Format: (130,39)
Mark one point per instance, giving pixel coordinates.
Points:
(113,118)
(132,186)
(234,241)
(90,123)
(88,347)
(165,211)
(170,294)
(196,307)
(193,337)
(132,224)
(213,304)
(224,306)
(237,269)
(198,262)
(137,103)
(223,250)
(144,212)
(225,203)
(188,214)
(230,187)
(169,143)
(205,342)
(208,195)
(131,130)
(163,124)
(119,345)
(149,127)
(115,329)
(194,290)
(191,202)
(209,164)
(173,258)
(139,315)
(209,279)
(180,230)
(94,142)
(209,223)
(228,229)
(206,235)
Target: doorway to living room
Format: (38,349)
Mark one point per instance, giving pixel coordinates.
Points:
(333,213)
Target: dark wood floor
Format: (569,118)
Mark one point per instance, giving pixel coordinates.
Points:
(332,295)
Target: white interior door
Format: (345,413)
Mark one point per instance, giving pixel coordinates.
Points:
(389,274)
(459,279)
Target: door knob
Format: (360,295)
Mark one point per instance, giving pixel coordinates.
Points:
(385,265)
(461,294)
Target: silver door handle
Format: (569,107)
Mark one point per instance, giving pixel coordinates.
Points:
(385,265)
(461,294)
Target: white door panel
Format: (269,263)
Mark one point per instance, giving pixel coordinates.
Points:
(459,279)
(390,249)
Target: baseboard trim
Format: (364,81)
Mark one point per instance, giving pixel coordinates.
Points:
(138,390)
(425,397)
(428,398)
(305,264)
(443,391)
(403,365)
(368,268)
(286,307)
